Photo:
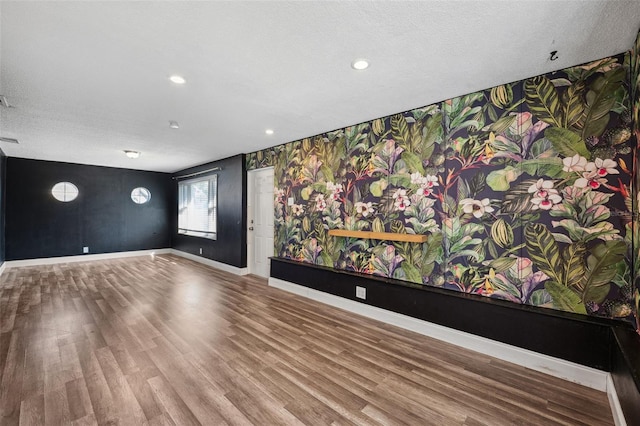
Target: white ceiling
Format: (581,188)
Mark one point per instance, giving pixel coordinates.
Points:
(90,79)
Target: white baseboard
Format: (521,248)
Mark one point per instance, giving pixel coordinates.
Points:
(82,258)
(614,403)
(556,367)
(214,264)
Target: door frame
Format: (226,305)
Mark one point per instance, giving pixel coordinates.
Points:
(251,214)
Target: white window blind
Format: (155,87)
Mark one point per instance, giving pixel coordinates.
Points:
(197,206)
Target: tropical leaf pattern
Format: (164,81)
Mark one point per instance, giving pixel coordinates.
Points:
(524,192)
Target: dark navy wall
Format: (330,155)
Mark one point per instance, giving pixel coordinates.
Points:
(3,180)
(103,217)
(231,245)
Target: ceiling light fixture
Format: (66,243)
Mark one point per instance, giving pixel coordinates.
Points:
(360,64)
(131,154)
(177,79)
(269,131)
(174,124)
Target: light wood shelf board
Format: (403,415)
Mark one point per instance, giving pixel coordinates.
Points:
(388,236)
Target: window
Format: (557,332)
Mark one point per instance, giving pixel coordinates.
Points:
(197,207)
(140,195)
(64,191)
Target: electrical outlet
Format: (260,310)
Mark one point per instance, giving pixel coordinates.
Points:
(85,249)
(290,201)
(361,292)
(200,250)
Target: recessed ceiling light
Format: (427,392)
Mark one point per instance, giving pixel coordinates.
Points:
(174,124)
(131,154)
(360,64)
(177,79)
(269,131)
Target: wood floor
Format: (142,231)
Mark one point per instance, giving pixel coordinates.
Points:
(169,341)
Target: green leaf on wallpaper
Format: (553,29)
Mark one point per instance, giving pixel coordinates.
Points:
(574,105)
(559,82)
(413,162)
(327,173)
(542,148)
(432,131)
(574,270)
(400,179)
(543,100)
(564,298)
(501,124)
(476,184)
(397,227)
(411,272)
(378,187)
(566,143)
(543,250)
(306,193)
(602,268)
(500,180)
(600,99)
(400,130)
(501,264)
(326,259)
(463,190)
(491,112)
(597,294)
(549,167)
(377,225)
(432,248)
(540,297)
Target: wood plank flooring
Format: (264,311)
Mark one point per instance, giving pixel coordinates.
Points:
(168,341)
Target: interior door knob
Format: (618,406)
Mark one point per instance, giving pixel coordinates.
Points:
(251,228)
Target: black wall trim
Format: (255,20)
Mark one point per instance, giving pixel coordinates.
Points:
(625,372)
(230,247)
(601,343)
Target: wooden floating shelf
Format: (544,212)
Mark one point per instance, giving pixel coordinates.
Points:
(389,236)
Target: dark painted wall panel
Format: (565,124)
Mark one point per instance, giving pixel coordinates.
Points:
(3,181)
(103,217)
(230,247)
(564,335)
(625,373)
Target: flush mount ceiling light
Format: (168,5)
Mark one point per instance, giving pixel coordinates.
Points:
(131,154)
(177,79)
(360,64)
(174,124)
(269,131)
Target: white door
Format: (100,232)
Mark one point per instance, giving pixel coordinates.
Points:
(260,205)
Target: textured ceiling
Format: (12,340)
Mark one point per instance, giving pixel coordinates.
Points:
(90,79)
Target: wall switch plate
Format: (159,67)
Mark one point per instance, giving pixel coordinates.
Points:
(290,201)
(85,249)
(361,292)
(200,250)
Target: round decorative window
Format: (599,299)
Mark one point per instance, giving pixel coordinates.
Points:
(64,191)
(140,195)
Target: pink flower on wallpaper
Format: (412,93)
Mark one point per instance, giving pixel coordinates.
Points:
(426,182)
(545,196)
(321,204)
(336,189)
(602,168)
(401,201)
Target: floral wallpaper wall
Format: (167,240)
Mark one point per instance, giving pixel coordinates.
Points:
(524,191)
